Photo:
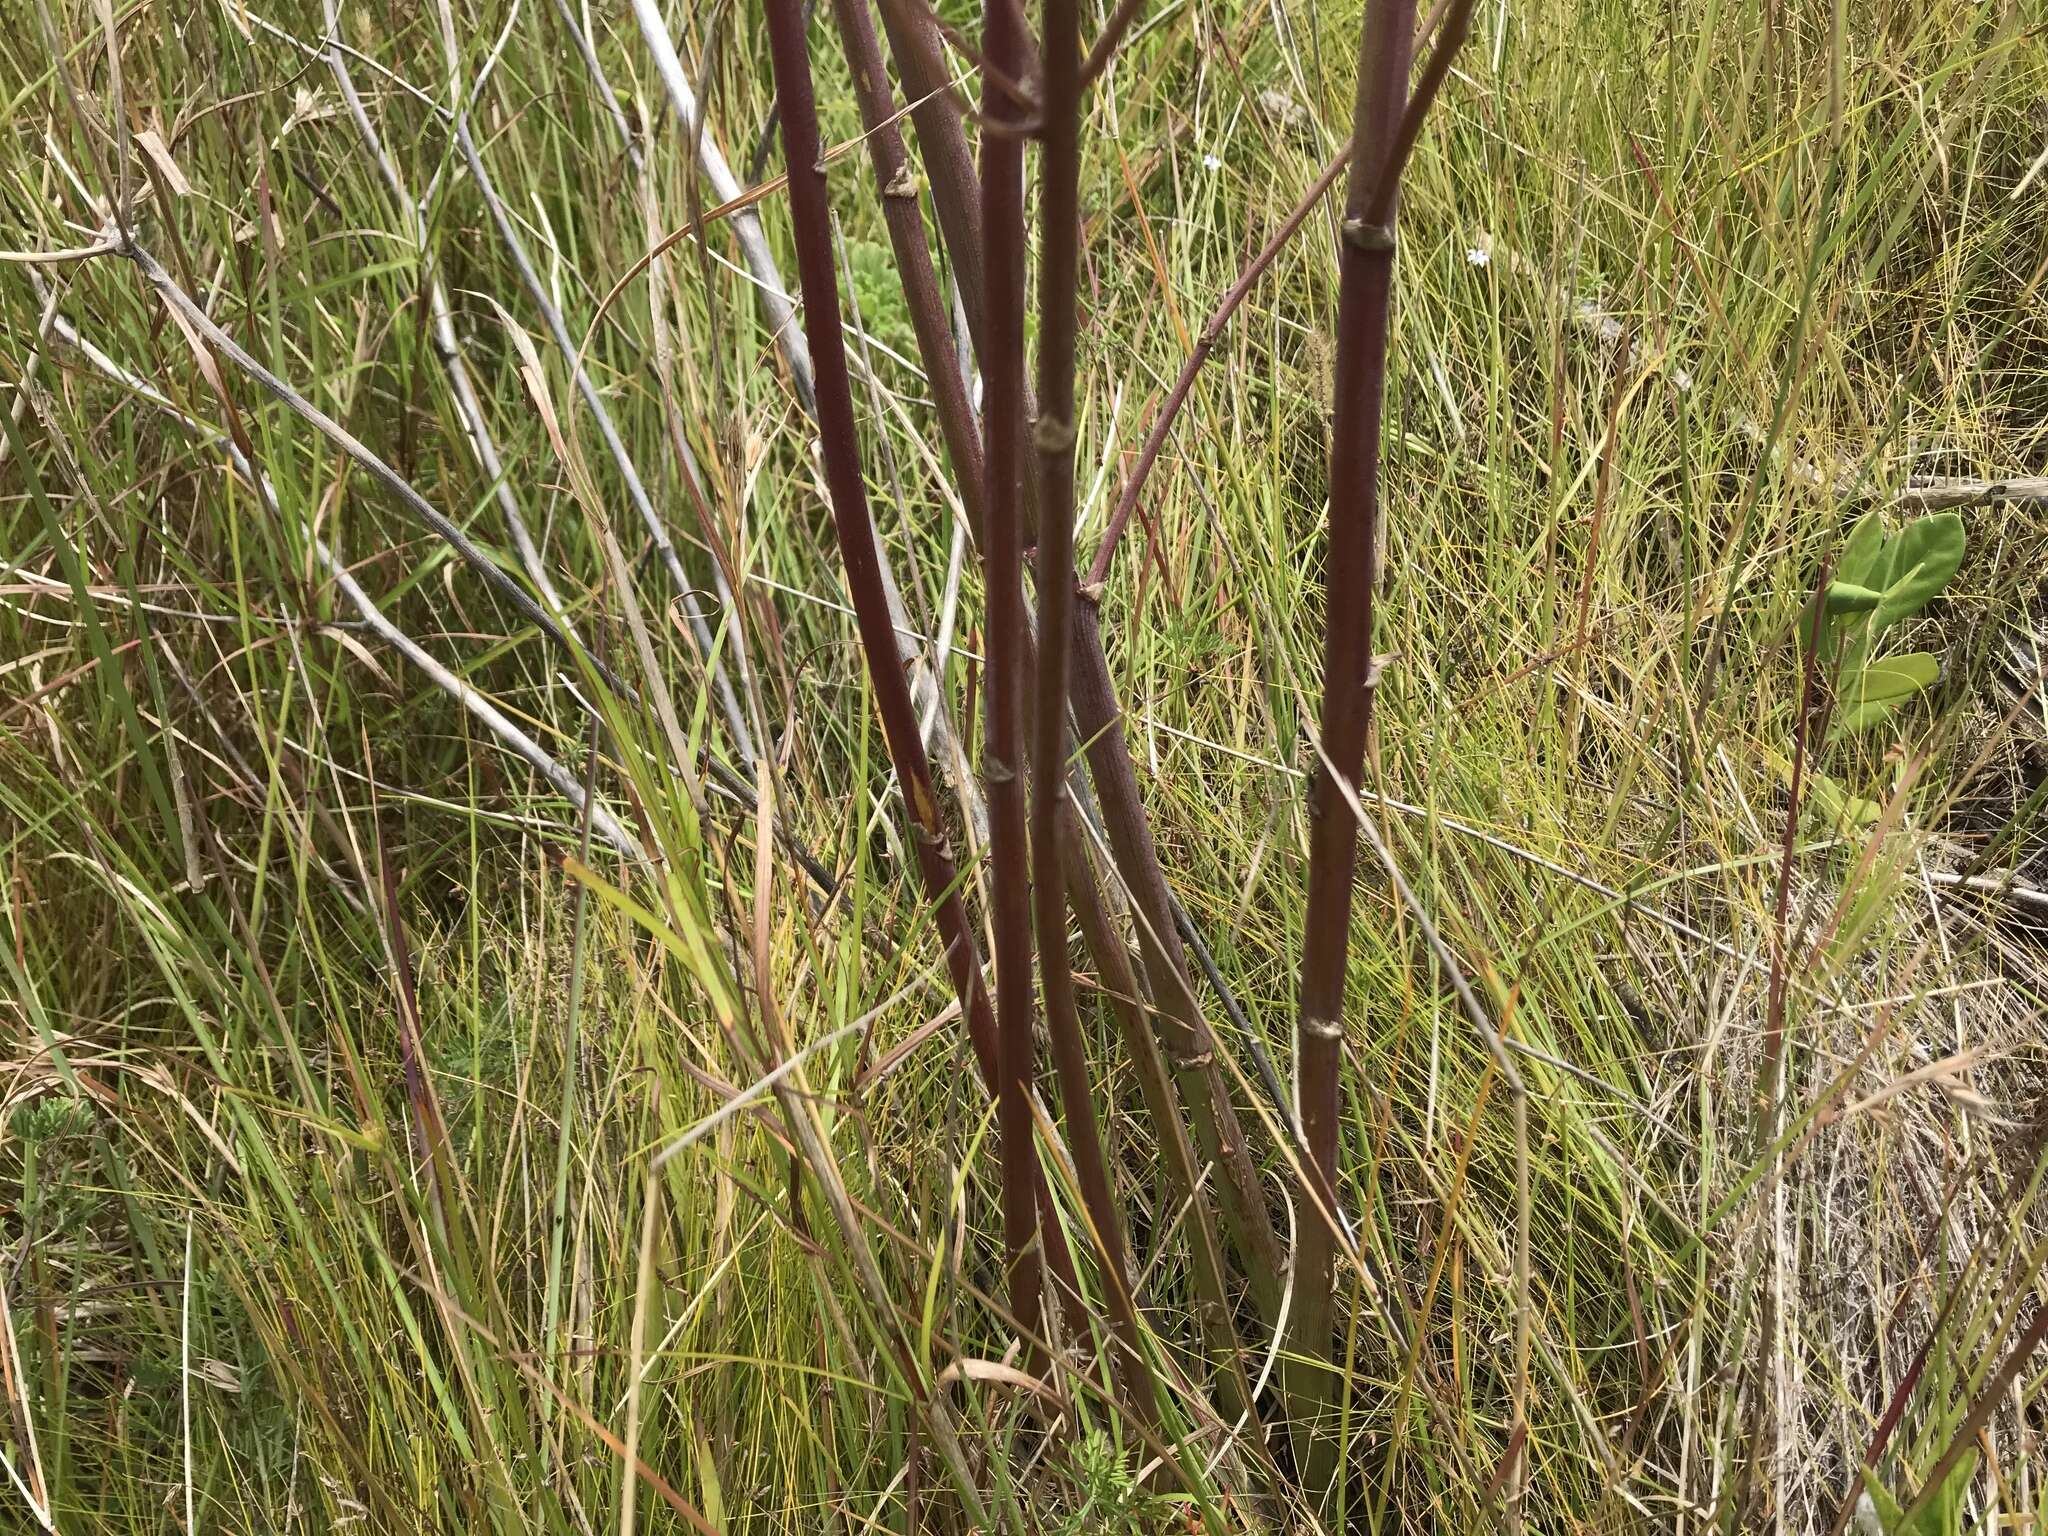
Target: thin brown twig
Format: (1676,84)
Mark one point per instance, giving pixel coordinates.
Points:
(482,709)
(1106,44)
(1205,343)
(191,313)
(1455,18)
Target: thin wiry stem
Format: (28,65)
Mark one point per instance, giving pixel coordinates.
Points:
(723,578)
(1110,39)
(1059,223)
(782,1070)
(1185,1176)
(1364,304)
(608,97)
(465,549)
(1191,1047)
(1457,23)
(1003,408)
(1205,343)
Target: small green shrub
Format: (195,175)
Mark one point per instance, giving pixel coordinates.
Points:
(1879,581)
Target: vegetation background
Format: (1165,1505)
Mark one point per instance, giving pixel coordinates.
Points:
(372,1145)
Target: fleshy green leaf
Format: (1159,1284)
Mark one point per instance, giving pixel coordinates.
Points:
(1927,552)
(1847,597)
(1853,720)
(1891,1514)
(1894,677)
(1863,555)
(1874,693)
(1943,1515)
(1938,1514)
(1836,806)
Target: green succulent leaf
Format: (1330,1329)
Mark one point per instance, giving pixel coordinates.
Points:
(1837,807)
(1927,552)
(1853,720)
(1895,678)
(1873,693)
(1862,562)
(1847,597)
(1891,1514)
(1938,1512)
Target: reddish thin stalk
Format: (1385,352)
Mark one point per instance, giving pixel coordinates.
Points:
(1456,18)
(811,220)
(1364,306)
(919,51)
(1603,486)
(1002,220)
(1107,43)
(1965,1438)
(1204,1088)
(1205,343)
(1099,933)
(1119,985)
(1059,225)
(905,223)
(1894,1411)
(1781,906)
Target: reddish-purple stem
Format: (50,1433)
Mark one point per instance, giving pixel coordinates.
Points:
(1002,222)
(905,222)
(1204,1086)
(1364,307)
(810,215)
(1456,19)
(1059,225)
(1108,946)
(919,51)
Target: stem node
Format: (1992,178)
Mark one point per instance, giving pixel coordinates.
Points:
(1362,235)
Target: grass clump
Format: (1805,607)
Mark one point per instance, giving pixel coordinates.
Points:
(409,1130)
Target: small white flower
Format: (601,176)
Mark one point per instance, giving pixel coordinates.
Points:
(1478,255)
(1211,163)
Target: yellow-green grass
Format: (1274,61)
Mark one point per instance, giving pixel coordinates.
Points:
(1682,291)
